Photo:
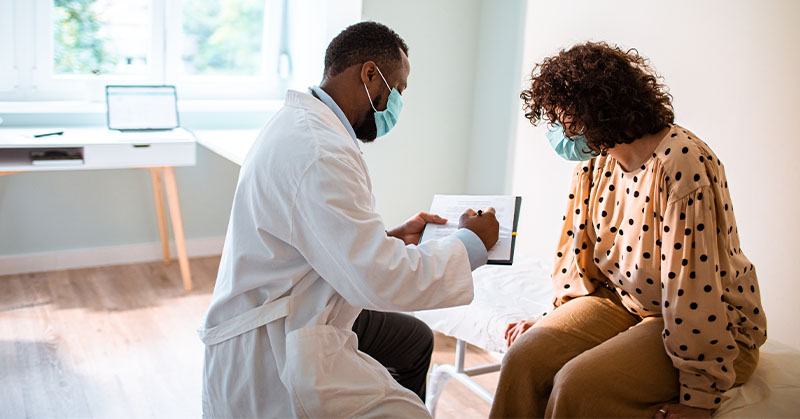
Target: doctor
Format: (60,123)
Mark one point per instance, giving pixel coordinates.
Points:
(306,255)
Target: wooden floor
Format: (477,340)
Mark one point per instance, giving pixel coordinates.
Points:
(120,342)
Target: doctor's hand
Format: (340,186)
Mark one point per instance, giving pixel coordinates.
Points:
(485,226)
(411,231)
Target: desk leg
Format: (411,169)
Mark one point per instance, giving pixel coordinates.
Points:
(158,197)
(177,226)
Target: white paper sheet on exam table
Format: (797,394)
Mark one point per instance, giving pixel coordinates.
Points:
(452,206)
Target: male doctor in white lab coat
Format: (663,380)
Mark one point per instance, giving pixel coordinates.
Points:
(306,256)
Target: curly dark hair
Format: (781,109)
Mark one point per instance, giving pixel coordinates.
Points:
(362,42)
(609,95)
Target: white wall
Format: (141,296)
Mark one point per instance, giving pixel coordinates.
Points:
(733,67)
(427,152)
(457,129)
(496,100)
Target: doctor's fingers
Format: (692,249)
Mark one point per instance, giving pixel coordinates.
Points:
(489,210)
(432,218)
(469,213)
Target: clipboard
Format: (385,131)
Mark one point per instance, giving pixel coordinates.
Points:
(510,261)
(452,206)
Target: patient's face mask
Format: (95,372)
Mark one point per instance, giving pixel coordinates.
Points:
(386,119)
(573,148)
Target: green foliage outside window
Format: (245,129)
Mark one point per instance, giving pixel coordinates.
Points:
(78,46)
(223,36)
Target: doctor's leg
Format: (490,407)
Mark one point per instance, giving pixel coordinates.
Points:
(401,343)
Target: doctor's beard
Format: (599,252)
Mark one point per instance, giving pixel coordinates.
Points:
(368,131)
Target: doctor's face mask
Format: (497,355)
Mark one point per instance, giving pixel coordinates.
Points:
(379,123)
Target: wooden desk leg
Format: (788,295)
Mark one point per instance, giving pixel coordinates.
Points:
(158,197)
(177,226)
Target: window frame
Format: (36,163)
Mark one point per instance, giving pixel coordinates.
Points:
(84,86)
(29,75)
(219,86)
(9,77)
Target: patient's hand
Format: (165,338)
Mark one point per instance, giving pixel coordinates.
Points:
(677,410)
(514,330)
(411,231)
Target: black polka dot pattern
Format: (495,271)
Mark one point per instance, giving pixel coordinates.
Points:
(656,235)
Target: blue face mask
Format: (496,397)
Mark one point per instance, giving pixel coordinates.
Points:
(574,148)
(386,119)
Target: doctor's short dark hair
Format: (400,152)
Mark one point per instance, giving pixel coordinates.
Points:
(362,42)
(610,95)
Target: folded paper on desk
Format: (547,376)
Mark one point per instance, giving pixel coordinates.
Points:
(507,213)
(59,157)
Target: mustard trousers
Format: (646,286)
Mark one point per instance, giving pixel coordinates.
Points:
(593,358)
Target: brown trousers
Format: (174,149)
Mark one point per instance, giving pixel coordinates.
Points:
(592,358)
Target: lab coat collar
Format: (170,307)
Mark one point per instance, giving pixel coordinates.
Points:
(327,100)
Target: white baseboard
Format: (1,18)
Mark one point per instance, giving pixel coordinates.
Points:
(102,256)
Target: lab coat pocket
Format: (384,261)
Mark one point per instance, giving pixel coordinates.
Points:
(328,376)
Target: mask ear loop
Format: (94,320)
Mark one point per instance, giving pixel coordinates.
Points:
(369,99)
(367,90)
(384,78)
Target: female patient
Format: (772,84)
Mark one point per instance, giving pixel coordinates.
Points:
(658,311)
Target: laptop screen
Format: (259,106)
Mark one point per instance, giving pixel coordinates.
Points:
(142,107)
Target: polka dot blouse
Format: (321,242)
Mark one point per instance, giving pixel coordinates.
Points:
(664,237)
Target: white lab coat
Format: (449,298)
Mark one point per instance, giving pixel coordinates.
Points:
(305,251)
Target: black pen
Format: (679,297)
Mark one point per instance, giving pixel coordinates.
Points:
(48,134)
(480,212)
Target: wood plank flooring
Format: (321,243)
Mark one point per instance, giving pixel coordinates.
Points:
(120,342)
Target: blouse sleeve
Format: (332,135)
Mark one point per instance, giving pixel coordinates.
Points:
(574,272)
(696,328)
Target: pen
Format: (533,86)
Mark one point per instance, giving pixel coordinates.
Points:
(49,134)
(480,212)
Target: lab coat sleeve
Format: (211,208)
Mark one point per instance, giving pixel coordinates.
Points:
(336,229)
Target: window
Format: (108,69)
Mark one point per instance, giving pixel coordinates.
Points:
(101,37)
(222,38)
(209,49)
(8,76)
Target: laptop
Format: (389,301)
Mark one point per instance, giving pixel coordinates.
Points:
(141,108)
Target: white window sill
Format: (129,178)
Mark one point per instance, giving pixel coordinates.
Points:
(72,107)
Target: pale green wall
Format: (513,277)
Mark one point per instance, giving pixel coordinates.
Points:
(463,68)
(496,103)
(465,59)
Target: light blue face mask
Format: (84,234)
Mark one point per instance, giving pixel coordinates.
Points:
(570,148)
(386,119)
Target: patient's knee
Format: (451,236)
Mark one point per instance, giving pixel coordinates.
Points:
(576,378)
(530,348)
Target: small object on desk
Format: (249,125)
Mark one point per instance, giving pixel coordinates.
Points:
(480,212)
(57,157)
(48,134)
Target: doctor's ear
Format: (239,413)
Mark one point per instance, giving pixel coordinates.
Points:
(368,72)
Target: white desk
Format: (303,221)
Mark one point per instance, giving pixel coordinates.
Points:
(232,145)
(158,151)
